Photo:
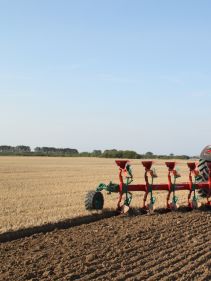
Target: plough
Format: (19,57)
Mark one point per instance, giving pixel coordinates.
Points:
(95,201)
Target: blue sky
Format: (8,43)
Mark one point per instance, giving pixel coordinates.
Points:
(101,74)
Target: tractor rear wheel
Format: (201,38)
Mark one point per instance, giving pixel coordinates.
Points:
(94,200)
(205,158)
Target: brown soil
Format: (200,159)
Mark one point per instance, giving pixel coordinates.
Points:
(172,246)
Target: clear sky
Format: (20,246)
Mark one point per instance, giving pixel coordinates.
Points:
(102,74)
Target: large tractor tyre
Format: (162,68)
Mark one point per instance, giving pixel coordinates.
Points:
(94,200)
(205,157)
(203,170)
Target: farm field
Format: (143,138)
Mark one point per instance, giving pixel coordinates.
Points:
(162,246)
(39,190)
(172,246)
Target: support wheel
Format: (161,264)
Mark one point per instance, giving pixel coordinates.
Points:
(94,200)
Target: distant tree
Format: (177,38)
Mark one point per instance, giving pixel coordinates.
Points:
(96,153)
(38,149)
(7,148)
(113,153)
(131,154)
(185,157)
(69,151)
(149,154)
(55,151)
(22,149)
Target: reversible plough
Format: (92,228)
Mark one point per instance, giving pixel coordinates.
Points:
(94,199)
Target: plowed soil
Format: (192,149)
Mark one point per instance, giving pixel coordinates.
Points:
(171,246)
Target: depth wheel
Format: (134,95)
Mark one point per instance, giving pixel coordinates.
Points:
(94,200)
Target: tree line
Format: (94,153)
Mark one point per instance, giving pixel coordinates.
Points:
(14,149)
(71,152)
(54,150)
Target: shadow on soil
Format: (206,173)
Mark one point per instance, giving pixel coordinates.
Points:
(68,223)
(64,224)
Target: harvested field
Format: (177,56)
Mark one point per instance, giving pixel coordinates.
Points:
(39,190)
(171,246)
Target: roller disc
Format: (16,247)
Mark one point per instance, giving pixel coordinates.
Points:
(94,200)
